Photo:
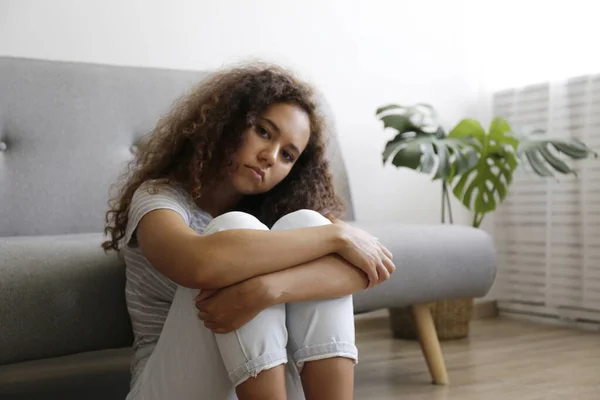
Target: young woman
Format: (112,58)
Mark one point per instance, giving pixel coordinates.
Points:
(237,284)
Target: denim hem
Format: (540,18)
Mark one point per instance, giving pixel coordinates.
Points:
(326,350)
(251,368)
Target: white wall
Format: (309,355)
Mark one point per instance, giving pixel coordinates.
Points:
(523,42)
(361,54)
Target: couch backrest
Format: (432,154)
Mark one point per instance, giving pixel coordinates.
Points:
(67,131)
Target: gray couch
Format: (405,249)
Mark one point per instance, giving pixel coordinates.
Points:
(66,130)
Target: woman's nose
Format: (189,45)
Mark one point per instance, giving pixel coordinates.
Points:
(269,155)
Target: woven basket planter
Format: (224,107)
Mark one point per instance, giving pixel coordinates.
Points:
(451,319)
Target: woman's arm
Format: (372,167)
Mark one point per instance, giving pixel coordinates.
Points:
(230,308)
(325,278)
(228,257)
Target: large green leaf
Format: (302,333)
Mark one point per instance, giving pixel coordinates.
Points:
(428,154)
(483,187)
(500,131)
(418,118)
(422,145)
(543,154)
(399,122)
(387,108)
(468,128)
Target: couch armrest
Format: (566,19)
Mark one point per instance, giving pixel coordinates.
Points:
(434,262)
(60,295)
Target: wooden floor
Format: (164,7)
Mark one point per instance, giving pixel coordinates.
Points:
(502,359)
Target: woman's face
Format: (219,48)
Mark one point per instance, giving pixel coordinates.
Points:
(270,149)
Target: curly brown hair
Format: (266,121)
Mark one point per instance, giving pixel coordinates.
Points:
(191,145)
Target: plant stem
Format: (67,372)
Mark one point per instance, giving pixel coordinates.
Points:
(446,203)
(443,202)
(478,219)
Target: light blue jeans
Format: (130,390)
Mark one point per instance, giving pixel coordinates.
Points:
(190,362)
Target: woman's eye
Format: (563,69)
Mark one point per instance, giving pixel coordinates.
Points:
(262,132)
(288,156)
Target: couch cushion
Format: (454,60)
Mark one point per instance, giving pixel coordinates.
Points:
(102,375)
(60,295)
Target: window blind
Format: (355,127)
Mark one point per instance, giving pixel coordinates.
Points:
(547,232)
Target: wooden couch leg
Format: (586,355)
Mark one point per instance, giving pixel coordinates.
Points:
(430,345)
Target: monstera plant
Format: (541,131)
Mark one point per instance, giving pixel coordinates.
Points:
(477,165)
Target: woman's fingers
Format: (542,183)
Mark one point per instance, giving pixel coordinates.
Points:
(389,264)
(204,316)
(384,268)
(384,274)
(205,294)
(210,325)
(373,275)
(386,251)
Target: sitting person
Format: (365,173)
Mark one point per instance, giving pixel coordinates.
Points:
(239,274)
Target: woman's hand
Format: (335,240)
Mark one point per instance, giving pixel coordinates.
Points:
(225,310)
(365,252)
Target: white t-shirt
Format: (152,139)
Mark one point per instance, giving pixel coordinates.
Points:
(148,293)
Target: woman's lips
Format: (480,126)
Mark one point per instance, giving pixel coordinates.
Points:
(256,172)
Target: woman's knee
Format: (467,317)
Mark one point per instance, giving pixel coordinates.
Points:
(300,219)
(234,220)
